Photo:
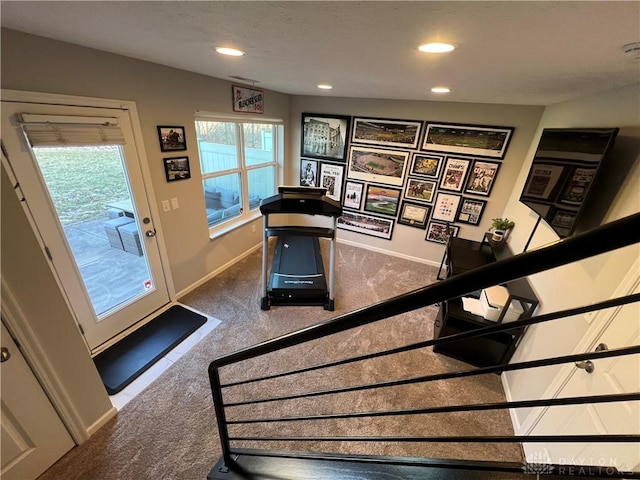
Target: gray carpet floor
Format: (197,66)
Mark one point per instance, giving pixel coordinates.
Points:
(169,430)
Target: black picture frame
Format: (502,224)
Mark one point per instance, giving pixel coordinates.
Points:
(377,165)
(382,200)
(446,206)
(172,139)
(358,222)
(439,232)
(420,190)
(414,214)
(176,168)
(426,165)
(482,177)
(471,210)
(353,194)
(473,140)
(454,174)
(325,136)
(386,132)
(308,172)
(331,177)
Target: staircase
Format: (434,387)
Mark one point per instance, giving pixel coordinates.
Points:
(296,445)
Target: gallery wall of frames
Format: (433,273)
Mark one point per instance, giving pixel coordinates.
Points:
(426,175)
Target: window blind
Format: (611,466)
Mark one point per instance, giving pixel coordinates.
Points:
(56,130)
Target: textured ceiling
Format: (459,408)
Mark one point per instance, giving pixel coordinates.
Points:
(513,52)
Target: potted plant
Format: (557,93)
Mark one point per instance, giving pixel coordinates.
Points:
(500,228)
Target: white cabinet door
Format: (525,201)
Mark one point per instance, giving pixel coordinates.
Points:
(33,436)
(609,376)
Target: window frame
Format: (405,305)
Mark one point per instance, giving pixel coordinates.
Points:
(246,215)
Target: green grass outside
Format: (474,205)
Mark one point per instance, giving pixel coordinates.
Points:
(82,180)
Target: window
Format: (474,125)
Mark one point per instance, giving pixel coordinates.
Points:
(239,167)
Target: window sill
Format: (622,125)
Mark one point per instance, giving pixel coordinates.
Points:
(221,231)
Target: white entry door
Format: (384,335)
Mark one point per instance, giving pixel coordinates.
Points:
(33,436)
(78,169)
(609,376)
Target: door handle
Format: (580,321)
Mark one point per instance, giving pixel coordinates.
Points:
(5,354)
(150,233)
(588,365)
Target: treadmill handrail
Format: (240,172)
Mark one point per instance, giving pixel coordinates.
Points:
(301,231)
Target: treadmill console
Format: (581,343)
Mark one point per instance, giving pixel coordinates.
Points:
(304,200)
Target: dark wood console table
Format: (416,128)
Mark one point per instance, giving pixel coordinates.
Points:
(489,350)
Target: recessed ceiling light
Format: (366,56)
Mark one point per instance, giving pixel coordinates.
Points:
(229,51)
(324,86)
(440,90)
(436,47)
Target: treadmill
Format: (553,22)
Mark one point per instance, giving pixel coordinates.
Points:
(297,271)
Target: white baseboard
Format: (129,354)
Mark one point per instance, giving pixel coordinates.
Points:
(95,426)
(388,252)
(517,427)
(218,271)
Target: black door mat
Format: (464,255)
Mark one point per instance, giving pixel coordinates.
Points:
(122,363)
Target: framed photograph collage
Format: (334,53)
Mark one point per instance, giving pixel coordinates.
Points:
(429,176)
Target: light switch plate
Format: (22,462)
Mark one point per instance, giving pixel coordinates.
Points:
(174,203)
(165,205)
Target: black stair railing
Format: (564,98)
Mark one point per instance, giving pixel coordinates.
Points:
(605,238)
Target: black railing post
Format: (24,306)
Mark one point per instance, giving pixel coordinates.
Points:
(218,405)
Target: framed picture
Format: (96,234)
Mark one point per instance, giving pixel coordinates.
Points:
(420,190)
(575,191)
(172,139)
(389,133)
(471,211)
(176,168)
(445,207)
(247,100)
(366,224)
(353,194)
(414,214)
(324,136)
(331,179)
(475,140)
(426,165)
(455,173)
(382,200)
(440,232)
(308,172)
(543,181)
(377,165)
(482,177)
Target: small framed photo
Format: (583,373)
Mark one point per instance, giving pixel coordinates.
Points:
(388,133)
(177,168)
(426,165)
(353,194)
(172,139)
(383,200)
(247,100)
(482,177)
(420,190)
(308,172)
(440,232)
(414,214)
(366,224)
(455,173)
(474,140)
(325,136)
(331,179)
(446,207)
(471,211)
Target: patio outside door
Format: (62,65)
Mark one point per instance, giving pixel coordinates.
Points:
(79,171)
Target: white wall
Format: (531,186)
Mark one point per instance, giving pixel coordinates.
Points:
(409,241)
(588,281)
